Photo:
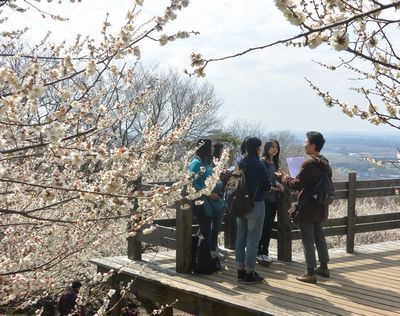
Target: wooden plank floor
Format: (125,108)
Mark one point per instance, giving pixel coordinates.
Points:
(366,283)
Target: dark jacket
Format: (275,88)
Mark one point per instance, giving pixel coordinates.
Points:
(310,172)
(256,177)
(67,302)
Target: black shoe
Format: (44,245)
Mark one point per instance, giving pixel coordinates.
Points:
(241,275)
(322,272)
(253,277)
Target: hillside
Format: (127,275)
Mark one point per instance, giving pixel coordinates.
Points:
(345,152)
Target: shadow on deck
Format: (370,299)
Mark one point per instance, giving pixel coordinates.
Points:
(364,283)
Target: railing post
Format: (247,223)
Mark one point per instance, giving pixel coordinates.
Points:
(134,248)
(134,243)
(230,231)
(284,229)
(183,236)
(351,212)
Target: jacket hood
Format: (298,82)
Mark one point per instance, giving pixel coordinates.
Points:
(323,163)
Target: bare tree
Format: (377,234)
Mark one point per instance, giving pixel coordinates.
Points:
(241,129)
(174,97)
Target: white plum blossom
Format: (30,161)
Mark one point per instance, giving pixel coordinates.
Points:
(182,34)
(35,92)
(295,18)
(136,51)
(149,230)
(56,132)
(163,39)
(126,36)
(314,40)
(91,67)
(111,292)
(340,40)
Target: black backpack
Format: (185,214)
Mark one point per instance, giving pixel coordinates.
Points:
(323,191)
(202,262)
(238,198)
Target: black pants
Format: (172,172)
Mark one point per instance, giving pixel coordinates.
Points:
(203,220)
(270,213)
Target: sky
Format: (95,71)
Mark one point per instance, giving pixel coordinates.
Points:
(266,85)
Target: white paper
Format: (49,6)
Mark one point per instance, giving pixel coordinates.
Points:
(294,164)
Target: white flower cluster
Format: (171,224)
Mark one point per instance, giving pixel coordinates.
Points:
(291,12)
(70,182)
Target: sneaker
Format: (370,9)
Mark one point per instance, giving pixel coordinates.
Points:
(241,275)
(322,272)
(307,278)
(253,277)
(264,260)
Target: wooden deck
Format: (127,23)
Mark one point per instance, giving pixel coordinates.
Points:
(364,283)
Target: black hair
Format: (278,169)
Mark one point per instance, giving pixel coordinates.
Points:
(252,144)
(204,151)
(243,146)
(268,144)
(317,139)
(217,150)
(76,284)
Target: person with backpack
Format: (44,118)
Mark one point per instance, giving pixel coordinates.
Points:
(270,158)
(250,224)
(311,213)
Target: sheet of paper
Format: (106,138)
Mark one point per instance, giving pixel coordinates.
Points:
(294,164)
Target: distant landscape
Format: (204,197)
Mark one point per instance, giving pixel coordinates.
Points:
(345,152)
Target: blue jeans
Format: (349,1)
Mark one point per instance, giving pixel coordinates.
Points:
(248,233)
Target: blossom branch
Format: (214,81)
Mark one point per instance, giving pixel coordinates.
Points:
(13,150)
(202,63)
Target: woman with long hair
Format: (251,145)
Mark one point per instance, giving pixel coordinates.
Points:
(201,167)
(271,160)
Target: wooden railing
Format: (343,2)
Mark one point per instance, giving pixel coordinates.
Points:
(176,233)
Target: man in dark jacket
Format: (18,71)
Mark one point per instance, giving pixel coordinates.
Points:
(67,302)
(312,215)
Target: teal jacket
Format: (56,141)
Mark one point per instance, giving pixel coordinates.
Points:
(204,170)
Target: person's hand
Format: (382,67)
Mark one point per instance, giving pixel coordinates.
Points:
(214,196)
(280,187)
(280,174)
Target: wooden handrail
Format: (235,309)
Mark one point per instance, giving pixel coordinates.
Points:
(175,233)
